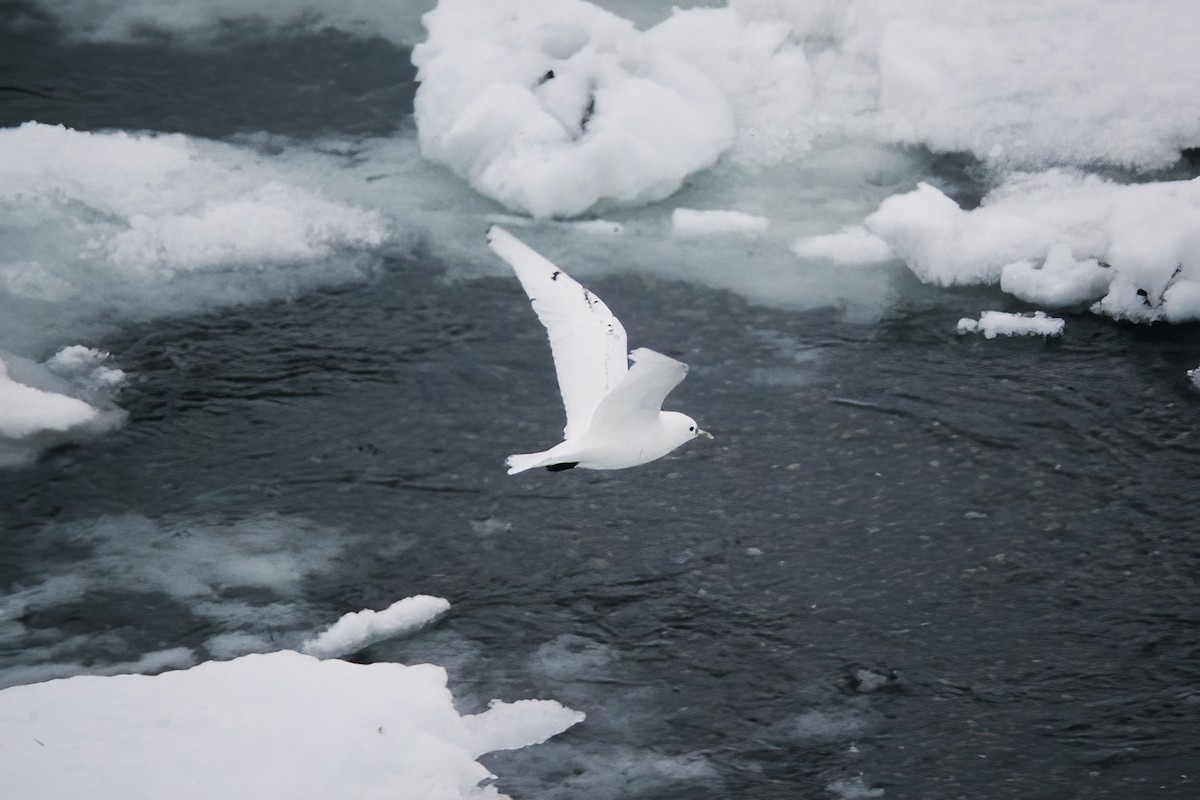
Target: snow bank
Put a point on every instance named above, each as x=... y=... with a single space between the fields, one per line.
x=1001 y=323
x=694 y=222
x=358 y=629
x=282 y=725
x=554 y=107
x=1059 y=238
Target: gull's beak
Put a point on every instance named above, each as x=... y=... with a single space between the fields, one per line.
x=705 y=434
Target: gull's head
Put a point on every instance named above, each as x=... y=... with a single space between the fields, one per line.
x=684 y=427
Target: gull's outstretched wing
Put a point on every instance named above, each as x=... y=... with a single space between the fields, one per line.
x=588 y=342
x=640 y=396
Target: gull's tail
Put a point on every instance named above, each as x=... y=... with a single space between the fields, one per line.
x=564 y=455
x=524 y=461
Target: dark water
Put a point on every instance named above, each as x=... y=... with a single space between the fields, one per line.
x=959 y=568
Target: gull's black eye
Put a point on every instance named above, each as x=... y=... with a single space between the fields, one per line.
x=692 y=428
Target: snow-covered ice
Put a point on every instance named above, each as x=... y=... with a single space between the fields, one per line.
x=278 y=725
x=1002 y=323
x=1059 y=238
x=555 y=107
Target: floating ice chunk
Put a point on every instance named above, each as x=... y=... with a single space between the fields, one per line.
x=69 y=396
x=1001 y=323
x=1058 y=281
x=853 y=244
x=358 y=629
x=286 y=724
x=694 y=222
x=25 y=410
x=1148 y=234
x=553 y=107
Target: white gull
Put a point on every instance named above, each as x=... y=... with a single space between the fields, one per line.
x=614 y=413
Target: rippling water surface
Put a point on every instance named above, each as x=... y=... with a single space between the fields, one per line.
x=934 y=566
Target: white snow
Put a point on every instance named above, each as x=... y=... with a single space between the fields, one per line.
x=555 y=107
x=1001 y=323
x=716 y=222
x=281 y=725
x=358 y=629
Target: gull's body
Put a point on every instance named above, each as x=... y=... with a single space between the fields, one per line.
x=614 y=413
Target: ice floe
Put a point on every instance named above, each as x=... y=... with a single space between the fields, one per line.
x=278 y=725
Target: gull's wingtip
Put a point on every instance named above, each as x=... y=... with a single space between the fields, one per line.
x=646 y=354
